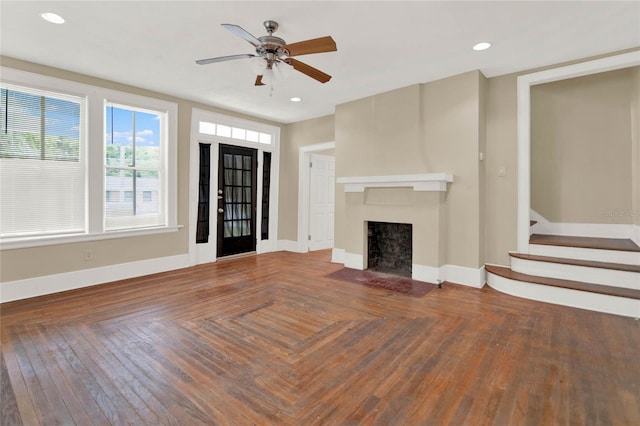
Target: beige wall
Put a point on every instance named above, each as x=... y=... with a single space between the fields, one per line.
x=292 y=138
x=452 y=111
x=635 y=140
x=433 y=127
x=502 y=152
x=47 y=260
x=581 y=148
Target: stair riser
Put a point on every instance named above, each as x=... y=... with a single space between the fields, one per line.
x=577 y=273
x=566 y=297
x=613 y=256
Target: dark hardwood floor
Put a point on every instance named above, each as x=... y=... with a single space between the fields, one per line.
x=270 y=340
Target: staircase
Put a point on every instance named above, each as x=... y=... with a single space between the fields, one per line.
x=599 y=274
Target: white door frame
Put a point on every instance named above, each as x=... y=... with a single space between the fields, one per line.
x=197 y=115
x=304 y=159
x=524 y=124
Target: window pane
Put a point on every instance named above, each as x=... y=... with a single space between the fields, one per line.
x=252 y=136
x=147 y=140
x=207 y=128
x=62 y=129
x=27 y=117
x=237 y=133
x=133 y=155
x=224 y=131
x=228 y=229
x=228 y=161
x=40 y=197
x=265 y=138
x=119 y=137
x=147 y=182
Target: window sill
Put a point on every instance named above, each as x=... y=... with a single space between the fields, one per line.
x=28 y=242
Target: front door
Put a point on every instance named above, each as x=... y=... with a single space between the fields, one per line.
x=237 y=181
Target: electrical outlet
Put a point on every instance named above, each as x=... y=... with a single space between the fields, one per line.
x=88 y=255
x=502 y=171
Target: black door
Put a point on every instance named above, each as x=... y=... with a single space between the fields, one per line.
x=237 y=180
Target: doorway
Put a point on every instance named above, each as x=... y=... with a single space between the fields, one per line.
x=236 y=195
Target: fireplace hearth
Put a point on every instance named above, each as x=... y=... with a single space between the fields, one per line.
x=389 y=248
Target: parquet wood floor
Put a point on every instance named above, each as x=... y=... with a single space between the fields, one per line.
x=269 y=340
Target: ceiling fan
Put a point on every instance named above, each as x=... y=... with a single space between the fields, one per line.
x=275 y=55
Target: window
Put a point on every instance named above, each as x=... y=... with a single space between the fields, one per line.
x=239 y=133
x=65 y=178
x=133 y=164
x=42 y=166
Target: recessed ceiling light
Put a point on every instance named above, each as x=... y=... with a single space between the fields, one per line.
x=482 y=46
x=52 y=17
x=295 y=99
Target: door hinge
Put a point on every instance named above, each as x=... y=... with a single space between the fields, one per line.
x=309 y=237
x=310 y=164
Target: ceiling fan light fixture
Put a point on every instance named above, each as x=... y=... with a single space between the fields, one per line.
x=268 y=76
x=54 y=18
x=282 y=69
x=258 y=65
x=482 y=46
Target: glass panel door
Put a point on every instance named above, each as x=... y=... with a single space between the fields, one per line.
x=237 y=181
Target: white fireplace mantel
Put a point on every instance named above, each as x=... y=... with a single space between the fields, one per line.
x=419 y=182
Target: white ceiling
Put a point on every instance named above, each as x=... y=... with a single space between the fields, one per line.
x=381 y=45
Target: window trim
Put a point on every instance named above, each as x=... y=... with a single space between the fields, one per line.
x=93 y=127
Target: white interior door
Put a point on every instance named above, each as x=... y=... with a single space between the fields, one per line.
x=321 y=202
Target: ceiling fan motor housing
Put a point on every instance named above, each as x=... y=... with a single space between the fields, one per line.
x=271 y=45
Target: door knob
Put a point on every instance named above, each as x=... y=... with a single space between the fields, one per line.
x=220 y=210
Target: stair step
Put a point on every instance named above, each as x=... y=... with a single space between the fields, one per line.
x=572 y=285
x=578 y=262
x=616 y=244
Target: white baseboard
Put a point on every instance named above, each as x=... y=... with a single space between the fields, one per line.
x=473 y=277
x=337 y=255
x=566 y=297
x=534 y=215
x=292 y=246
x=353 y=261
x=39 y=286
x=636 y=234
x=266 y=246
x=428 y=274
x=456 y=274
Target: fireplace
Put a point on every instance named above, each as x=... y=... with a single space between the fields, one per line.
x=389 y=248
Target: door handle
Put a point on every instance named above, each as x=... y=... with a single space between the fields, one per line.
x=220 y=210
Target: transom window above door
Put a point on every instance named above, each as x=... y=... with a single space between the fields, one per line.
x=233 y=132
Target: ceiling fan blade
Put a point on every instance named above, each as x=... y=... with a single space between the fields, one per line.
x=308 y=70
x=316 y=45
x=241 y=32
x=223 y=58
x=259 y=81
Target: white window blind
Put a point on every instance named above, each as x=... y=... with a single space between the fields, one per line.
x=42 y=166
